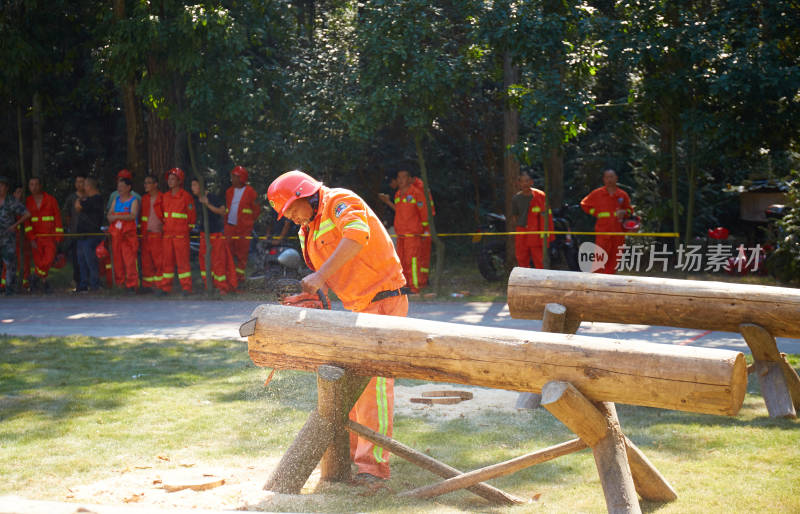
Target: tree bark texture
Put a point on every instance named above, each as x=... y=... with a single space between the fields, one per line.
x=655 y=375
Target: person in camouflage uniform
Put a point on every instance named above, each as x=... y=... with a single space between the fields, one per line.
x=12 y=214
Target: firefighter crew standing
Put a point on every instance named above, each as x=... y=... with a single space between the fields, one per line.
x=527 y=214
x=350 y=252
x=179 y=217
x=410 y=223
x=242 y=209
x=122 y=218
x=43 y=230
x=609 y=204
x=12 y=214
x=152 y=243
x=222 y=268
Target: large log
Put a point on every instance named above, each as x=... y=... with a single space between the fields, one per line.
x=655 y=301
x=671 y=377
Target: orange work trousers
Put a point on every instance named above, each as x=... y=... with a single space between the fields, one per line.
x=527 y=248
x=223 y=270
x=375 y=407
x=152 y=262
x=124 y=247
x=425 y=261
x=611 y=245
x=239 y=243
x=176 y=255
x=409 y=249
x=43 y=255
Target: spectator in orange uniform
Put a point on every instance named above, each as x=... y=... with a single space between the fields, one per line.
x=122 y=218
x=609 y=204
x=350 y=252
x=410 y=224
x=425 y=258
x=222 y=268
x=179 y=217
x=44 y=231
x=527 y=214
x=152 y=243
x=242 y=209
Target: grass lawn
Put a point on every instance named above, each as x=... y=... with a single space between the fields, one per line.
x=78 y=410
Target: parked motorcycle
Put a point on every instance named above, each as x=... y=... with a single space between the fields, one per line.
x=563 y=250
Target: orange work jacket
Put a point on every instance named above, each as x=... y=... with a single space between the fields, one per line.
x=249 y=208
x=410 y=214
x=602 y=205
x=45 y=219
x=535 y=219
x=178 y=213
x=375 y=268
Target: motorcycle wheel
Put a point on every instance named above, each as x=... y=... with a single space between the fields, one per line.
x=492 y=261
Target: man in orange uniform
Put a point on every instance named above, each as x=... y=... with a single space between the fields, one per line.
x=152 y=244
x=179 y=216
x=222 y=268
x=242 y=209
x=44 y=231
x=527 y=214
x=609 y=204
x=410 y=223
x=350 y=252
x=425 y=258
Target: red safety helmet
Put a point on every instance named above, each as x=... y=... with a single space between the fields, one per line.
x=632 y=224
x=290 y=186
x=240 y=172
x=177 y=172
x=123 y=173
x=101 y=251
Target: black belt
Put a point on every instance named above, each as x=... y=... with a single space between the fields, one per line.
x=388 y=294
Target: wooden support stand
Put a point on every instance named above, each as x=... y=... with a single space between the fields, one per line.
x=339 y=391
x=780 y=385
x=555 y=320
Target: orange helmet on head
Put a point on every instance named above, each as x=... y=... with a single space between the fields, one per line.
x=177 y=172
x=240 y=172
x=123 y=173
x=290 y=186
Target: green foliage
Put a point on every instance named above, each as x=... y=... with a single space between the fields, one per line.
x=784 y=263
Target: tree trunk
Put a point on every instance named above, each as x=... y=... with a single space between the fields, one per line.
x=687 y=238
x=21 y=143
x=438 y=243
x=134 y=119
x=673 y=149
x=37 y=151
x=510 y=138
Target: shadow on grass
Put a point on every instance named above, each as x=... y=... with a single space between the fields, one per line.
x=68 y=376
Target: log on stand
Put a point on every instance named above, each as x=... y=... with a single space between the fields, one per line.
x=703 y=380
x=697 y=304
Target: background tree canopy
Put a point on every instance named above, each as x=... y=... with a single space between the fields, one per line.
x=681 y=98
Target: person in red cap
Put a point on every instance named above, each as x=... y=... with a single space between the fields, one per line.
x=242 y=209
x=609 y=204
x=349 y=251
x=44 y=231
x=123 y=173
x=178 y=218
